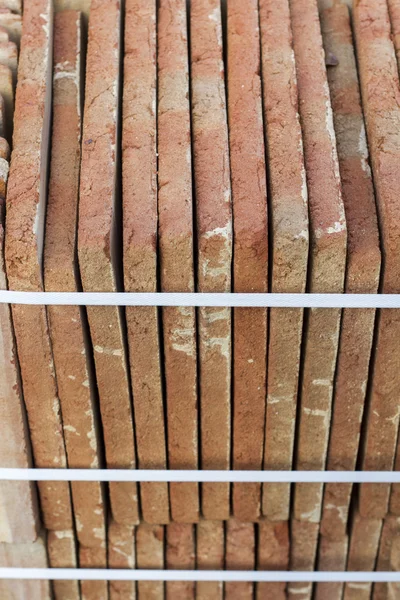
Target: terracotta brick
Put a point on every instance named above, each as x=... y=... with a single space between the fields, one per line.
x=19 y=518
x=239 y=555
x=273 y=554
x=328 y=253
x=394 y=14
x=250 y=268
x=210 y=549
x=13 y=24
x=62 y=554
x=289 y=212
x=121 y=555
x=180 y=554
x=98 y=247
x=150 y=555
x=381 y=97
x=332 y=556
x=93 y=558
x=7 y=93
x=25 y=555
x=26 y=199
x=176 y=252
x=303 y=550
x=390 y=532
x=139 y=170
x=214 y=244
x=363 y=264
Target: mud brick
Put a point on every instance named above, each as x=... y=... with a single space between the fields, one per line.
x=210 y=547
x=98 y=247
x=180 y=554
x=139 y=171
x=332 y=556
x=121 y=555
x=176 y=252
x=363 y=264
x=273 y=554
x=239 y=555
x=150 y=555
x=289 y=212
x=62 y=554
x=328 y=252
x=250 y=268
x=214 y=239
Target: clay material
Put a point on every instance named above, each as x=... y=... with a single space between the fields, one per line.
x=12 y=23
x=273 y=555
x=62 y=554
x=210 y=547
x=121 y=555
x=150 y=555
x=332 y=556
x=239 y=555
x=180 y=554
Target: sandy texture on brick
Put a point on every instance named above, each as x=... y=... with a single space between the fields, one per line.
x=381 y=100
x=214 y=244
x=390 y=532
x=26 y=199
x=303 y=549
x=289 y=212
x=332 y=556
x=12 y=23
x=62 y=554
x=98 y=246
x=121 y=555
x=180 y=554
x=250 y=233
x=150 y=555
x=239 y=555
x=273 y=555
x=210 y=549
x=327 y=254
x=363 y=264
x=139 y=171
x=176 y=251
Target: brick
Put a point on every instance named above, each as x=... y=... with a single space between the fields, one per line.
x=13 y=5
x=180 y=554
x=250 y=267
x=303 y=550
x=363 y=264
x=289 y=212
x=214 y=245
x=12 y=23
x=62 y=554
x=7 y=93
x=93 y=558
x=390 y=532
x=9 y=57
x=150 y=555
x=139 y=172
x=239 y=555
x=83 y=5
x=210 y=549
x=26 y=199
x=98 y=247
x=381 y=96
x=328 y=253
x=31 y=555
x=121 y=555
x=394 y=14
x=19 y=518
x=273 y=554
x=176 y=252
x=332 y=556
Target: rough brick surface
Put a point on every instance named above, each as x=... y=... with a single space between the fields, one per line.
x=210 y=548
x=26 y=199
x=332 y=556
x=250 y=234
x=328 y=252
x=62 y=554
x=14 y=5
x=180 y=554
x=121 y=555
x=176 y=251
x=12 y=23
x=363 y=264
x=150 y=555
x=273 y=554
x=289 y=213
x=139 y=184
x=239 y=555
x=98 y=246
x=214 y=239
x=303 y=549
x=381 y=101
x=9 y=57
x=7 y=93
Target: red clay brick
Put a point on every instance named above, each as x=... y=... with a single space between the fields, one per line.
x=150 y=555
x=303 y=549
x=381 y=99
x=121 y=555
x=62 y=554
x=273 y=555
x=93 y=558
x=390 y=532
x=214 y=239
x=26 y=199
x=332 y=556
x=139 y=172
x=328 y=253
x=98 y=247
x=239 y=555
x=176 y=252
x=180 y=554
x=210 y=547
x=289 y=212
x=250 y=269
x=363 y=265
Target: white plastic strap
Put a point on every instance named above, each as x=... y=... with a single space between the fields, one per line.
x=199 y=476
x=197 y=299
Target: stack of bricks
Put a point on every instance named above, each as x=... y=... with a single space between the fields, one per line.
x=210 y=146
